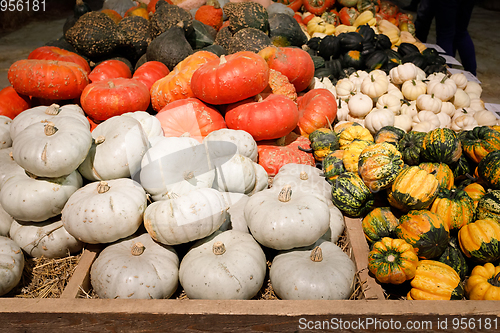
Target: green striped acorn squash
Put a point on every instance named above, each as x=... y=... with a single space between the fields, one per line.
x=425 y=231
x=352 y=58
x=284 y=30
x=455 y=258
x=333 y=165
x=489 y=206
x=479 y=141
x=441 y=145
x=442 y=172
x=489 y=169
x=455 y=208
x=480 y=240
x=379 y=223
x=413 y=188
x=461 y=168
x=475 y=191
x=389 y=134
x=351 y=195
x=410 y=147
x=323 y=142
x=378 y=165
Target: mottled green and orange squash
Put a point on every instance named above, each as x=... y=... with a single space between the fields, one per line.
x=379 y=223
x=480 y=240
x=339 y=127
x=392 y=261
x=389 y=134
x=442 y=172
x=479 y=141
x=410 y=146
x=484 y=283
x=489 y=169
x=323 y=142
x=352 y=133
x=461 y=168
x=425 y=231
x=333 y=165
x=378 y=165
x=413 y=188
x=351 y=195
x=489 y=206
x=454 y=207
x=352 y=152
x=435 y=280
x=475 y=191
x=441 y=145
x=454 y=257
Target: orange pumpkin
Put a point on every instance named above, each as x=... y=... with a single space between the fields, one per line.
x=317 y=109
x=56 y=53
x=11 y=103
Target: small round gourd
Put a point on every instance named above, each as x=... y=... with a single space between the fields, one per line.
x=379 y=164
x=429 y=103
x=325 y=273
x=244 y=142
x=435 y=280
x=48 y=239
x=5 y=139
x=135 y=268
x=444 y=88
x=360 y=105
x=186 y=218
x=236 y=174
x=11 y=264
x=103 y=212
x=484 y=283
x=227 y=265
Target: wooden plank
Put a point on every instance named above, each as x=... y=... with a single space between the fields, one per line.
x=371 y=289
x=80 y=280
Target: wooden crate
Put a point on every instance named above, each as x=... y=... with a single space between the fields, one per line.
x=79 y=314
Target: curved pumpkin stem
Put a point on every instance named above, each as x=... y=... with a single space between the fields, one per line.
x=495 y=280
x=316 y=254
x=219 y=248
x=137 y=249
x=310 y=150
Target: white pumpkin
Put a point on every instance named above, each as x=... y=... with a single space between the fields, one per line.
x=374 y=85
x=429 y=103
x=5 y=139
x=390 y=102
x=235 y=219
x=5 y=222
x=337 y=224
x=423 y=126
x=473 y=88
x=48 y=239
x=304 y=178
x=359 y=121
x=186 y=218
x=448 y=108
x=245 y=143
x=485 y=118
x=342 y=110
x=177 y=165
x=261 y=179
x=409 y=108
x=460 y=79
x=8 y=167
x=33 y=199
x=46 y=113
x=105 y=211
x=345 y=88
x=234 y=175
x=421 y=75
x=444 y=119
x=430 y=119
x=403 y=122
x=135 y=268
x=394 y=90
x=357 y=78
x=324 y=83
x=403 y=72
x=360 y=105
x=463 y=123
x=150 y=124
x=379 y=118
x=477 y=104
x=412 y=89
x=461 y=99
x=11 y=264
x=443 y=89
x=436 y=76
x=52 y=149
x=228 y=265
x=324 y=273
x=462 y=112
x=282 y=219
x=119 y=145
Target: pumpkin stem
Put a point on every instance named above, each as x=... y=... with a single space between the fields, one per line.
x=53 y=110
x=285 y=194
x=222 y=60
x=310 y=150
x=32 y=176
x=258 y=98
x=316 y=254
x=373 y=79
x=137 y=249
x=188 y=175
x=100 y=139
x=303 y=175
x=49 y=129
x=414 y=83
x=444 y=79
x=111 y=85
x=495 y=280
x=185 y=135
x=102 y=187
x=219 y=248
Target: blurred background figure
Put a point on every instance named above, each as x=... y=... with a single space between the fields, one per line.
x=425 y=14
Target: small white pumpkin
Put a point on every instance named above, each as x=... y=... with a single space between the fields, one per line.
x=324 y=273
x=52 y=149
x=379 y=118
x=485 y=118
x=8 y=167
x=360 y=105
x=461 y=99
x=360 y=121
x=11 y=264
x=135 y=268
x=324 y=83
x=342 y=110
x=228 y=265
x=462 y=112
x=234 y=175
x=390 y=102
x=119 y=145
x=5 y=222
x=403 y=72
x=105 y=211
x=186 y=218
x=280 y=219
x=463 y=123
x=430 y=118
x=48 y=239
x=477 y=104
x=245 y=143
x=5 y=139
x=448 y=108
x=304 y=178
x=421 y=75
x=412 y=89
x=34 y=199
x=394 y=90
x=357 y=78
x=460 y=79
x=429 y=103
x=444 y=119
x=235 y=219
x=403 y=122
x=345 y=88
x=150 y=124
x=409 y=108
x=473 y=88
x=443 y=89
x=436 y=76
x=374 y=85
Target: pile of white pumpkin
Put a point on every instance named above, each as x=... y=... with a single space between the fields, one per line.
x=63 y=186
x=410 y=100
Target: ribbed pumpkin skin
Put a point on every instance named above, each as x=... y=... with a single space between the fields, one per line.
x=483 y=283
x=378 y=165
x=475 y=192
x=435 y=281
x=333 y=165
x=389 y=134
x=441 y=145
x=480 y=240
x=351 y=195
x=455 y=208
x=461 y=168
x=352 y=133
x=352 y=152
x=480 y=141
x=379 y=223
x=323 y=142
x=425 y=231
x=413 y=188
x=442 y=172
x=392 y=261
x=454 y=257
x=410 y=146
x=489 y=206
x=489 y=169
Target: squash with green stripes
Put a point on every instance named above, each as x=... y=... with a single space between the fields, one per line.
x=442 y=172
x=333 y=165
x=489 y=206
x=441 y=145
x=480 y=141
x=389 y=134
x=410 y=147
x=455 y=208
x=480 y=240
x=323 y=142
x=454 y=257
x=351 y=195
x=379 y=223
x=489 y=169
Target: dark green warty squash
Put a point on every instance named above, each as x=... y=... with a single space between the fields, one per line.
x=441 y=145
x=379 y=223
x=351 y=195
x=489 y=169
x=410 y=147
x=489 y=206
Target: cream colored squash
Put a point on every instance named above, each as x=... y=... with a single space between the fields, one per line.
x=444 y=119
x=324 y=83
x=33 y=199
x=235 y=219
x=324 y=273
x=461 y=99
x=403 y=122
x=436 y=76
x=374 y=85
x=236 y=174
x=485 y=118
x=345 y=88
x=429 y=103
x=5 y=139
x=245 y=143
x=379 y=118
x=402 y=73
x=360 y=105
x=282 y=219
x=135 y=268
x=105 y=211
x=460 y=79
x=119 y=145
x=421 y=75
x=357 y=78
x=360 y=121
x=394 y=90
x=11 y=264
x=150 y=124
x=448 y=108
x=463 y=123
x=423 y=126
x=342 y=110
x=227 y=265
x=8 y=167
x=5 y=222
x=412 y=89
x=473 y=88
x=409 y=108
x=186 y=218
x=462 y=112
x=52 y=149
x=426 y=116
x=477 y=104
x=48 y=238
x=303 y=178
x=390 y=102
x=443 y=89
